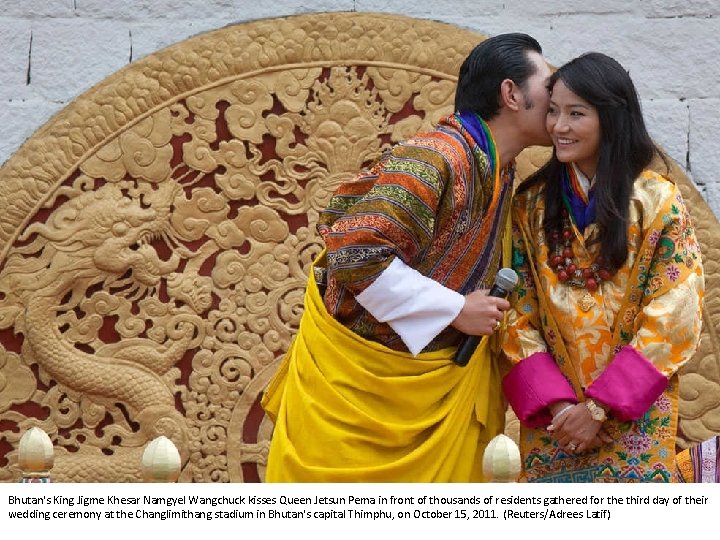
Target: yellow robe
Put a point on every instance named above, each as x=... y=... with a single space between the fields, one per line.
x=351 y=410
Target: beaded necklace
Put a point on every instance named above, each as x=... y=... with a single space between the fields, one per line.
x=562 y=260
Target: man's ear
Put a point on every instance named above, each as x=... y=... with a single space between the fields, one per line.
x=510 y=95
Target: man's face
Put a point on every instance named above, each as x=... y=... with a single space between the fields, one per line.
x=536 y=99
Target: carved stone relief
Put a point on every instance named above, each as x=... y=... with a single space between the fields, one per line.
x=155 y=237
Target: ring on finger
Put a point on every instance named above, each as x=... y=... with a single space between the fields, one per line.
x=572 y=446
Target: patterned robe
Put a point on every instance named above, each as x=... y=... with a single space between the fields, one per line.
x=348 y=383
x=652 y=304
x=701 y=463
x=433 y=201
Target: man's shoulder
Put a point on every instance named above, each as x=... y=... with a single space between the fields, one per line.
x=442 y=134
x=445 y=143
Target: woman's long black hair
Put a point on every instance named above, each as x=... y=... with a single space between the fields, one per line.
x=625 y=150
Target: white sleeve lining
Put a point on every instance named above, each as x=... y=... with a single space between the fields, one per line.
x=418 y=308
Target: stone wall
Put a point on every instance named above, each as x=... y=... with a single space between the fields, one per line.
x=53 y=50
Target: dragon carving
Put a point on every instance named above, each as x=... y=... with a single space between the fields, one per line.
x=101 y=240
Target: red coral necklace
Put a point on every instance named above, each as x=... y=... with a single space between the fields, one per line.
x=566 y=267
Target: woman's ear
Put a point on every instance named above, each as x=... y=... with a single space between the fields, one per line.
x=510 y=95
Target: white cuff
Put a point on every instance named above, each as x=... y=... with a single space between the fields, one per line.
x=416 y=307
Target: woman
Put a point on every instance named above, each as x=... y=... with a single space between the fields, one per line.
x=611 y=284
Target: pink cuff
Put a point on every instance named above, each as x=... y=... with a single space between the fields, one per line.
x=533 y=384
x=629 y=385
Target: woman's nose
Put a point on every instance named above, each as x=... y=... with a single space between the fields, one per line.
x=560 y=125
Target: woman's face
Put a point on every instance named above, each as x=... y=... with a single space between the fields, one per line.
x=574 y=126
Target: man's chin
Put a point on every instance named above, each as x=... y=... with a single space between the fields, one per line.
x=543 y=140
x=543 y=144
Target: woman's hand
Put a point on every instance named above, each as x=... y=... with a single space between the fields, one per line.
x=576 y=431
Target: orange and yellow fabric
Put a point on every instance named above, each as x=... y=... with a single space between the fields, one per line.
x=621 y=343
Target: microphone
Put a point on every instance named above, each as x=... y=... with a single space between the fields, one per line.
x=505 y=281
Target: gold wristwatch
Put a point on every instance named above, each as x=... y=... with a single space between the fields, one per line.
x=596 y=411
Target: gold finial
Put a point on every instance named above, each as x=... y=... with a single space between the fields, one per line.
x=161 y=461
x=35 y=455
x=501 y=460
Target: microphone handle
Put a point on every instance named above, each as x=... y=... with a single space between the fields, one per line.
x=466 y=350
x=498 y=292
x=470 y=343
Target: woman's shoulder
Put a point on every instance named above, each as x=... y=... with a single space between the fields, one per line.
x=658 y=197
x=658 y=180
x=655 y=185
x=529 y=204
x=528 y=192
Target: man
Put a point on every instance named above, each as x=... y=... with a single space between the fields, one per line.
x=369 y=390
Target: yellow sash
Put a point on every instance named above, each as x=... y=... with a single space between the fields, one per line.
x=351 y=410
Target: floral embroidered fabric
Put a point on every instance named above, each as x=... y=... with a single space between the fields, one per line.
x=652 y=303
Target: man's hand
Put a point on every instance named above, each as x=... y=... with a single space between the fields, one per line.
x=481 y=314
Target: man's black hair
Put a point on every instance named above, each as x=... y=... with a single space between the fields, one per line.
x=491 y=62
